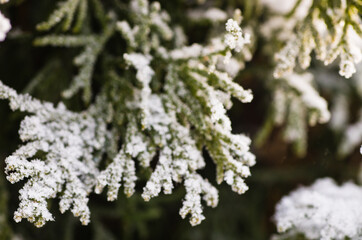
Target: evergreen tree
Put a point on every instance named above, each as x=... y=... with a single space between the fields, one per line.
x=172 y=101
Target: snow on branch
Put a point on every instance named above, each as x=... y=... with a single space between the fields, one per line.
x=296 y=104
x=322 y=211
x=139 y=116
x=57 y=159
x=330 y=30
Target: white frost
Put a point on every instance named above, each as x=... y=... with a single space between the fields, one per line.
x=322 y=211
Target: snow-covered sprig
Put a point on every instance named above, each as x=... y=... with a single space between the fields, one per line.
x=331 y=30
x=179 y=158
x=174 y=124
x=92 y=47
x=144 y=76
x=151 y=27
x=297 y=104
x=230 y=152
x=220 y=47
x=195 y=186
x=58 y=159
x=234 y=37
x=322 y=211
x=71 y=15
x=65 y=13
x=163 y=103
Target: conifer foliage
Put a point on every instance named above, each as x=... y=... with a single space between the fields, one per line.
x=170 y=124
x=146 y=109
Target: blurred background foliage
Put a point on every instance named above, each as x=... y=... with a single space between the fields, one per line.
x=44 y=72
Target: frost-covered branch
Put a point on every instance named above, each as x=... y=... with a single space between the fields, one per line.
x=92 y=47
x=66 y=12
x=297 y=104
x=162 y=102
x=57 y=159
x=196 y=97
x=331 y=30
